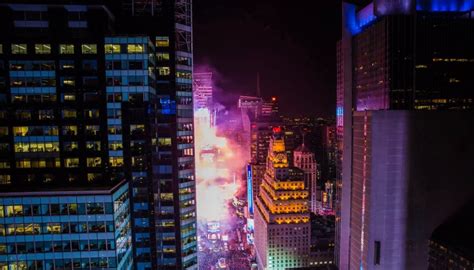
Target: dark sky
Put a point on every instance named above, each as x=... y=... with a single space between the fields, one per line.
x=291 y=43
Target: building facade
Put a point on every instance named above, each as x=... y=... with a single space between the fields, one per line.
x=282 y=221
x=393 y=55
x=97 y=95
x=304 y=159
x=202 y=90
x=66 y=229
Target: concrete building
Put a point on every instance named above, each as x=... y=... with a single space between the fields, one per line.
x=282 y=221
x=397 y=59
x=304 y=159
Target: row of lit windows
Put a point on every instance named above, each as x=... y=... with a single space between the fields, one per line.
x=53 y=130
x=32 y=82
x=57 y=246
x=43 y=98
x=21 y=210
x=55 y=228
x=77 y=263
x=46 y=48
x=122 y=48
x=32 y=65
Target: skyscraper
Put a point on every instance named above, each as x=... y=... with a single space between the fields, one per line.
x=101 y=95
x=398 y=61
x=304 y=159
x=282 y=221
x=202 y=90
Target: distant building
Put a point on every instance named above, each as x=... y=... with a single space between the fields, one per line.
x=304 y=159
x=282 y=221
x=202 y=90
x=250 y=105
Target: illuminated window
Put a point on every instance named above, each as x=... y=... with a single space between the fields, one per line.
x=94 y=162
x=162 y=42
x=71 y=162
x=69 y=113
x=14 y=210
x=92 y=130
x=19 y=49
x=137 y=129
x=68 y=81
x=70 y=146
x=164 y=141
x=163 y=56
x=20 y=131
x=5 y=179
x=166 y=196
x=53 y=228
x=135 y=48
x=112 y=48
x=42 y=48
x=116 y=161
x=164 y=71
x=184 y=75
x=91 y=177
x=115 y=145
x=66 y=49
x=1 y=48
x=69 y=97
x=89 y=48
x=114 y=130
x=66 y=64
x=93 y=145
x=70 y=130
x=91 y=114
x=4 y=164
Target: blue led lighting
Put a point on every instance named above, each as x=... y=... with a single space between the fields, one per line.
x=355 y=21
x=249 y=189
x=445 y=5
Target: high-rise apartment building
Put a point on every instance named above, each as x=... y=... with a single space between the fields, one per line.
x=282 y=216
x=398 y=62
x=304 y=159
x=98 y=93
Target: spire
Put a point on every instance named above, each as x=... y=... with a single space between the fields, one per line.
x=258 y=84
x=302 y=147
x=303 y=139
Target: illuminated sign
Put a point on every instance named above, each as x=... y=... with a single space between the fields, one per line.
x=249 y=189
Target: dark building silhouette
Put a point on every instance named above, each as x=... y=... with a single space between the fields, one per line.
x=451 y=243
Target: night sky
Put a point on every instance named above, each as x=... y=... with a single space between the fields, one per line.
x=293 y=46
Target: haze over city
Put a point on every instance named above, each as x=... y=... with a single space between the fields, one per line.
x=235 y=135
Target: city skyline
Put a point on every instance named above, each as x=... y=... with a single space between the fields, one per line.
x=248 y=135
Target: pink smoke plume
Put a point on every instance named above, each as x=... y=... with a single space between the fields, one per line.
x=219 y=163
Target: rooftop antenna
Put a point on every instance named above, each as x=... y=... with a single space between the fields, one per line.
x=258 y=84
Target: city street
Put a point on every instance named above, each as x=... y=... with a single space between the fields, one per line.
x=222 y=245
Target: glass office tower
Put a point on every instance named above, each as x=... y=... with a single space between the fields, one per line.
x=94 y=93
x=66 y=229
